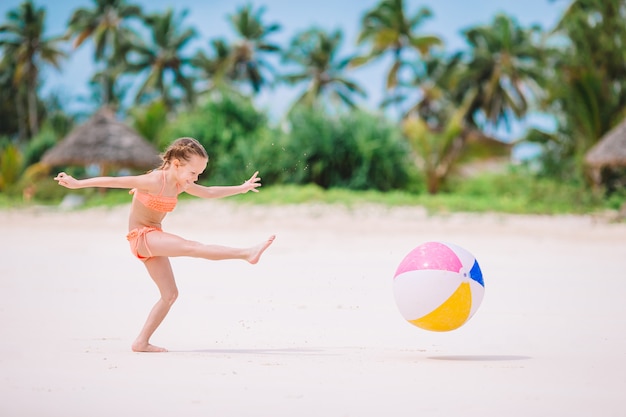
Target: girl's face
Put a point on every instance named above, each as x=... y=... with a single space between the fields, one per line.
x=188 y=172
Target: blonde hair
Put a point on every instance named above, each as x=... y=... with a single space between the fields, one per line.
x=182 y=149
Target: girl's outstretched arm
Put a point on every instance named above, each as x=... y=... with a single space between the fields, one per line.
x=225 y=191
x=135 y=181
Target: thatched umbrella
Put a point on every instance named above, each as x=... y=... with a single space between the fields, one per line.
x=609 y=152
x=106 y=142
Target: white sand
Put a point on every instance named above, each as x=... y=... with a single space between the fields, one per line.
x=312 y=330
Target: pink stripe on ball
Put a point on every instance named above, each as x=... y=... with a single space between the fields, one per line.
x=430 y=255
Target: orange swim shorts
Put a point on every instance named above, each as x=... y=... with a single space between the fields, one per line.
x=135 y=235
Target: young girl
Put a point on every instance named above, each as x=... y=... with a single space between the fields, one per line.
x=156 y=194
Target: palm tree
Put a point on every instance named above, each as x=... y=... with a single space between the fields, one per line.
x=163 y=60
x=106 y=86
x=435 y=125
x=437 y=148
x=388 y=30
x=247 y=55
x=22 y=41
x=216 y=68
x=596 y=33
x=505 y=65
x=12 y=109
x=315 y=52
x=107 y=25
x=435 y=78
x=587 y=94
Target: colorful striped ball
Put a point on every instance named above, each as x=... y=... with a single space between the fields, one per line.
x=438 y=286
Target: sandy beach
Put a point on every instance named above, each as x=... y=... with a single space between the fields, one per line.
x=313 y=329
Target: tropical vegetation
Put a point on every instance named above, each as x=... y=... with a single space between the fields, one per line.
x=439 y=113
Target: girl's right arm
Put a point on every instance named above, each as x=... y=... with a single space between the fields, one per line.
x=139 y=181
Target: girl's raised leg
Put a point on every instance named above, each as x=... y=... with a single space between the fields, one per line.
x=167 y=244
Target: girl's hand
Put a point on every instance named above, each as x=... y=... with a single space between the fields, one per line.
x=252 y=184
x=66 y=180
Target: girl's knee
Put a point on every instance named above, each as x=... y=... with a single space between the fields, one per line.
x=170 y=297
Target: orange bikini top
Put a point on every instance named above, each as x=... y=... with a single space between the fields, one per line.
x=158 y=202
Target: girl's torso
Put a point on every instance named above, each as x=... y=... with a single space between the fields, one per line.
x=149 y=209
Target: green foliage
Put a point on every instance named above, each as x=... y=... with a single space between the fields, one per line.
x=617 y=200
x=4 y=142
x=354 y=150
x=504 y=62
x=314 y=194
x=11 y=163
x=504 y=65
x=614 y=180
x=44 y=140
x=586 y=91
x=9 y=119
x=389 y=29
x=247 y=60
x=48 y=191
x=520 y=192
x=56 y=118
x=26 y=49
x=314 y=54
x=150 y=120
x=438 y=148
x=229 y=127
x=512 y=192
x=163 y=57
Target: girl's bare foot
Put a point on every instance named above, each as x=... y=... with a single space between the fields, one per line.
x=257 y=251
x=147 y=347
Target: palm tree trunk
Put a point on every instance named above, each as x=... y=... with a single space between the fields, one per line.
x=432 y=183
x=32 y=112
x=106 y=82
x=32 y=101
x=21 y=114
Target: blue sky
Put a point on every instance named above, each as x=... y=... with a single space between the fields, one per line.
x=209 y=17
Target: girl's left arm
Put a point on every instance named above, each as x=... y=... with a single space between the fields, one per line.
x=225 y=191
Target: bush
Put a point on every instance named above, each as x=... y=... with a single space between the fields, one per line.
x=229 y=127
x=11 y=163
x=522 y=192
x=149 y=120
x=356 y=150
x=45 y=139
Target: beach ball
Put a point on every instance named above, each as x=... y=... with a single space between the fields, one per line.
x=438 y=286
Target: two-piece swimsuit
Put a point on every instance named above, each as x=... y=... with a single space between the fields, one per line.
x=160 y=203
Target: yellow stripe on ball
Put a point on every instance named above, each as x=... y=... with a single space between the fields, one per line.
x=451 y=314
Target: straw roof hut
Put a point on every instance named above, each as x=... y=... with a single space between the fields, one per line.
x=609 y=152
x=106 y=142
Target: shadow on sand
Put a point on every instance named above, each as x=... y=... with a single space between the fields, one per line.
x=259 y=351
x=480 y=358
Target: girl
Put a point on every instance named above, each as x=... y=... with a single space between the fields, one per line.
x=156 y=194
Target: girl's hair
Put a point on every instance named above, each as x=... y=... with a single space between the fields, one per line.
x=182 y=149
